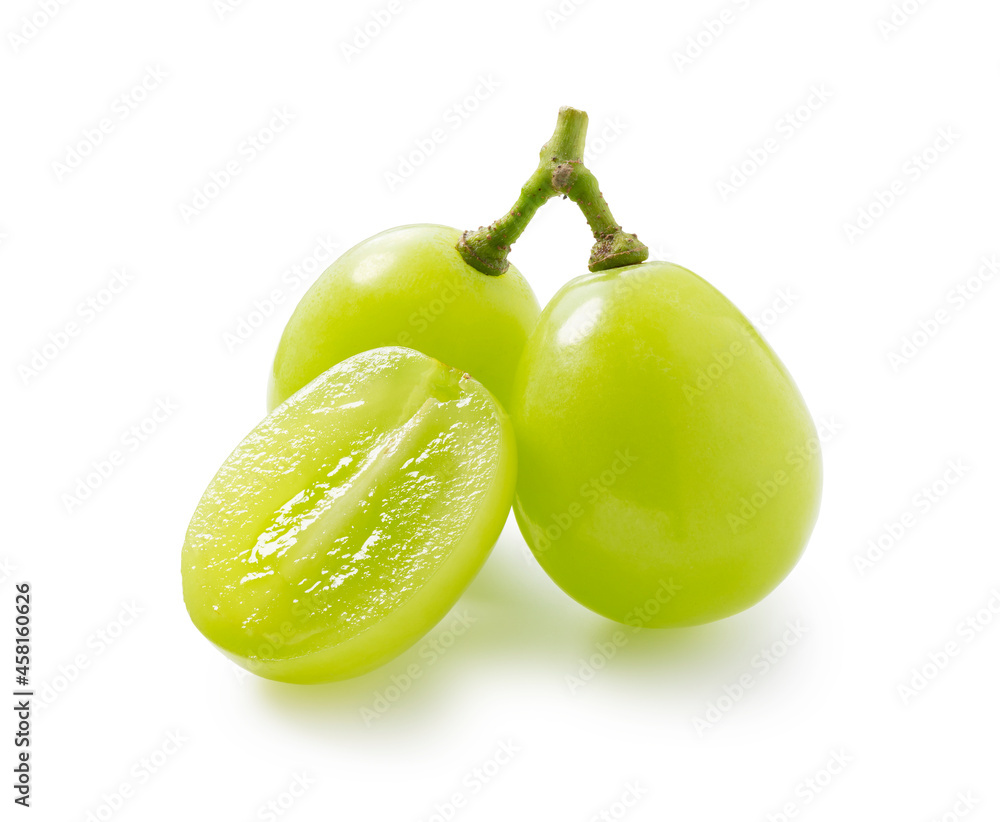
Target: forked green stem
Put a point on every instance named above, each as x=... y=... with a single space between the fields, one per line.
x=560 y=171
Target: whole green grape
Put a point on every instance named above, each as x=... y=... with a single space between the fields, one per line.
x=669 y=469
x=409 y=287
x=349 y=521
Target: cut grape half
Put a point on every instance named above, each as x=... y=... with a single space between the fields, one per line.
x=350 y=520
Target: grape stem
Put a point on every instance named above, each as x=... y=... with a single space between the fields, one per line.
x=560 y=172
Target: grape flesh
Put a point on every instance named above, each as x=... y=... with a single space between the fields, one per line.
x=350 y=520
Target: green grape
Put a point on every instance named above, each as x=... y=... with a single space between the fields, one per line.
x=669 y=469
x=349 y=521
x=408 y=286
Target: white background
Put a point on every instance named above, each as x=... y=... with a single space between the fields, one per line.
x=113 y=687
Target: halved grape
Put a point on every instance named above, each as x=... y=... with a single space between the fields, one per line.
x=351 y=519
